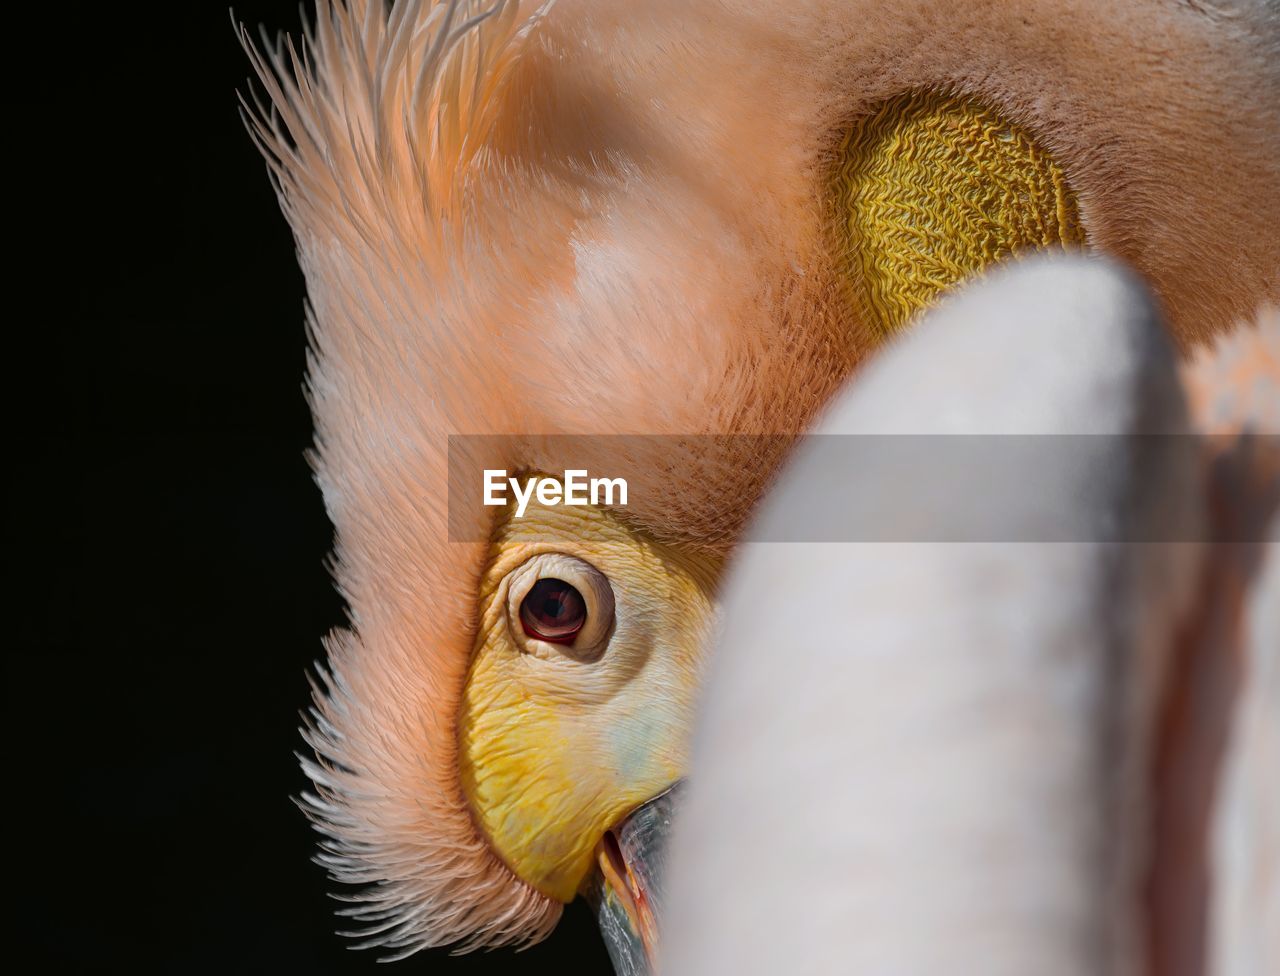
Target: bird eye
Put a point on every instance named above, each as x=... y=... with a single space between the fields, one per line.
x=561 y=600
x=553 y=611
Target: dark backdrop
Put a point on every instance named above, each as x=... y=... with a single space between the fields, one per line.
x=177 y=571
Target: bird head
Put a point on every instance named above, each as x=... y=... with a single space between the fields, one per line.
x=679 y=228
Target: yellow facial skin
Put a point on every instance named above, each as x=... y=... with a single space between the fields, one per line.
x=931 y=189
x=558 y=743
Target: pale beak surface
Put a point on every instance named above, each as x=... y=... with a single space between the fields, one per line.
x=964 y=771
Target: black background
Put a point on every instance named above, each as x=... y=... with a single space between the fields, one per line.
x=179 y=543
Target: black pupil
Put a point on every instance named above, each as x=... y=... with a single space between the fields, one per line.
x=553 y=610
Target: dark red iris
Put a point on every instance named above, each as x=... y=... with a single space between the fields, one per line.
x=553 y=611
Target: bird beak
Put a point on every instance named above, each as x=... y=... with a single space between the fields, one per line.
x=626 y=888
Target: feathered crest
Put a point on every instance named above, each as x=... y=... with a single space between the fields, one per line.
x=377 y=115
x=372 y=126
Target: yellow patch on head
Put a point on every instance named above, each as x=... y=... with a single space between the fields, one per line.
x=559 y=741
x=932 y=188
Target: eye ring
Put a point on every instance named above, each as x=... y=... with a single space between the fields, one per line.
x=560 y=606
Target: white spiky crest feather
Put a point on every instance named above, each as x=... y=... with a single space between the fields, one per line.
x=372 y=126
x=381 y=110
